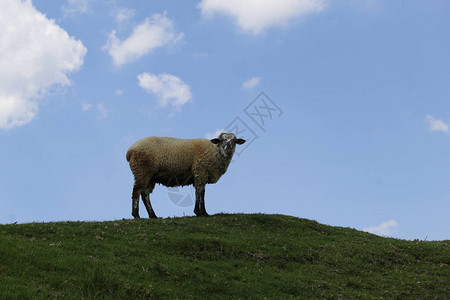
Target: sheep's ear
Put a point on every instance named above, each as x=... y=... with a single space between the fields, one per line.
x=240 y=141
x=215 y=141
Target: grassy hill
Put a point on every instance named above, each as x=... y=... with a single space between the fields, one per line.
x=221 y=256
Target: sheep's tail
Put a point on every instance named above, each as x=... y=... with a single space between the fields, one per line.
x=129 y=153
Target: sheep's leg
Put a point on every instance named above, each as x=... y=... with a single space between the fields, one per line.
x=200 y=209
x=197 y=204
x=146 y=199
x=135 y=198
x=148 y=206
x=204 y=213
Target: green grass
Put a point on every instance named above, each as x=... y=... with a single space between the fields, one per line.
x=223 y=256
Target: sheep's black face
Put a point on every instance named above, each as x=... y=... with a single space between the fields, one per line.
x=227 y=144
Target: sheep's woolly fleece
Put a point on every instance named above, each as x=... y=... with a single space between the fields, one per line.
x=172 y=162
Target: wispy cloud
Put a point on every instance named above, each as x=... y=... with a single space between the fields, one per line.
x=100 y=109
x=436 y=124
x=384 y=229
x=123 y=14
x=200 y=55
x=73 y=7
x=156 y=31
x=251 y=83
x=367 y=5
x=210 y=136
x=255 y=16
x=85 y=106
x=169 y=89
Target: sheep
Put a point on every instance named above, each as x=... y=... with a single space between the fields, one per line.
x=178 y=162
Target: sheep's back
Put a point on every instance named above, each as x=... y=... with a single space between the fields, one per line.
x=172 y=155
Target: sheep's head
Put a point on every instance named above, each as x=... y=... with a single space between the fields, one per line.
x=227 y=143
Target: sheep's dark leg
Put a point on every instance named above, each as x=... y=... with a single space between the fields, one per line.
x=197 y=204
x=135 y=197
x=204 y=213
x=200 y=209
x=146 y=199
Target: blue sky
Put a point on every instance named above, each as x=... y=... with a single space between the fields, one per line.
x=360 y=140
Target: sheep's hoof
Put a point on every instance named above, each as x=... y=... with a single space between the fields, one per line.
x=200 y=213
x=136 y=216
x=153 y=216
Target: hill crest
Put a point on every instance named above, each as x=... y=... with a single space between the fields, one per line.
x=225 y=255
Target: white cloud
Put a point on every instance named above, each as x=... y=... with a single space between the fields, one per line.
x=118 y=92
x=36 y=55
x=255 y=15
x=169 y=89
x=384 y=229
x=103 y=112
x=123 y=14
x=367 y=5
x=200 y=55
x=210 y=136
x=16 y=111
x=435 y=124
x=156 y=31
x=76 y=7
x=100 y=109
x=251 y=83
x=85 y=106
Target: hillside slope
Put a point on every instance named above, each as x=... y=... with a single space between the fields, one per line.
x=220 y=256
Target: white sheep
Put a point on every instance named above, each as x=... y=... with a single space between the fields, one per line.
x=178 y=162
